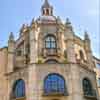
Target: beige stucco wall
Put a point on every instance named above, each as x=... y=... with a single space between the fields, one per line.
x=34 y=74
x=97 y=70
x=77 y=49
x=3 y=80
x=73 y=75
x=98 y=76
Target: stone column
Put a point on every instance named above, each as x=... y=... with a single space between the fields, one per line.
x=70 y=51
x=11 y=51
x=87 y=46
x=32 y=83
x=76 y=85
x=33 y=46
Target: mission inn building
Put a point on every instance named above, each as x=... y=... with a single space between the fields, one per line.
x=47 y=62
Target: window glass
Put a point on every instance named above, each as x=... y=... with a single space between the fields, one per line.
x=50 y=42
x=19 y=89
x=99 y=82
x=47 y=11
x=54 y=83
x=87 y=87
x=98 y=65
x=81 y=54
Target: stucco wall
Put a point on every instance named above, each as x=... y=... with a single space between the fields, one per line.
x=3 y=80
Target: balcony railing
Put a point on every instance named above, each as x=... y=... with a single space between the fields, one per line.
x=53 y=92
x=90 y=94
x=50 y=52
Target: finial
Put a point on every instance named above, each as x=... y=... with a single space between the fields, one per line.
x=46 y=4
x=86 y=36
x=47 y=9
x=32 y=21
x=46 y=1
x=68 y=22
x=11 y=36
x=58 y=19
x=24 y=27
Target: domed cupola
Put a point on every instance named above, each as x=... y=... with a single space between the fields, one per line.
x=47 y=9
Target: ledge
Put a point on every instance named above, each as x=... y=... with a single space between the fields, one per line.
x=20 y=98
x=90 y=97
x=55 y=94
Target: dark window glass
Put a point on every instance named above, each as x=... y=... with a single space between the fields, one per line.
x=19 y=89
x=99 y=82
x=81 y=54
x=98 y=65
x=54 y=83
x=50 y=42
x=87 y=87
x=47 y=11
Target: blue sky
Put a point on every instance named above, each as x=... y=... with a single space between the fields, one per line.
x=84 y=15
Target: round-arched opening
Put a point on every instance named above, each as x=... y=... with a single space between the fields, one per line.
x=81 y=54
x=18 y=90
x=54 y=84
x=87 y=87
x=50 y=42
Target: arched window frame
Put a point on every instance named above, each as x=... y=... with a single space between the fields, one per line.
x=98 y=82
x=60 y=88
x=50 y=42
x=81 y=54
x=18 y=92
x=47 y=11
x=87 y=86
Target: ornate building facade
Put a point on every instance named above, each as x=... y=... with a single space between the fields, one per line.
x=97 y=70
x=47 y=62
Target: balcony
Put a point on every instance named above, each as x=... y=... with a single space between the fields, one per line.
x=53 y=92
x=90 y=94
x=50 y=52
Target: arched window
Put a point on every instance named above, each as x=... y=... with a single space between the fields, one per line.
x=53 y=84
x=87 y=87
x=98 y=82
x=50 y=42
x=47 y=11
x=19 y=89
x=81 y=54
